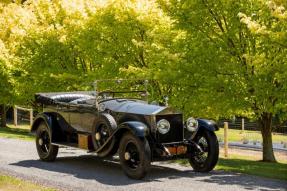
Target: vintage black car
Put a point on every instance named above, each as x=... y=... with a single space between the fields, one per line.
x=108 y=122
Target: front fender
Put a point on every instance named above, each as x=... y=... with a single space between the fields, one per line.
x=139 y=129
x=207 y=125
x=203 y=125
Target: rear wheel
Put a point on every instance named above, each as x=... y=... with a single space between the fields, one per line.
x=135 y=156
x=205 y=160
x=45 y=149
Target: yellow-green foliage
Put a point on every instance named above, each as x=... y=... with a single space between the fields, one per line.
x=219 y=57
x=62 y=45
x=235 y=56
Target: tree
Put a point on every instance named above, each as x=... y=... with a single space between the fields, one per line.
x=73 y=45
x=5 y=84
x=60 y=45
x=234 y=60
x=14 y=20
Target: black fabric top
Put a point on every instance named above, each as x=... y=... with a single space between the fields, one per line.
x=60 y=97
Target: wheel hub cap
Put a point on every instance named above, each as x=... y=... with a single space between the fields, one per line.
x=40 y=142
x=127 y=156
x=98 y=136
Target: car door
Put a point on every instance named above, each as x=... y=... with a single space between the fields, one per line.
x=75 y=116
x=82 y=117
x=63 y=118
x=88 y=116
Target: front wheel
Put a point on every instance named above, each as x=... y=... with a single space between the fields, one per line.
x=135 y=156
x=205 y=160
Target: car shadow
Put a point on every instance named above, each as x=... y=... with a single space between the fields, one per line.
x=109 y=172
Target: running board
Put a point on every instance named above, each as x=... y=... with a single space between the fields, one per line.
x=73 y=145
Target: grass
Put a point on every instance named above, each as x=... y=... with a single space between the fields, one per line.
x=248 y=165
x=9 y=183
x=240 y=164
x=21 y=126
x=235 y=135
x=19 y=132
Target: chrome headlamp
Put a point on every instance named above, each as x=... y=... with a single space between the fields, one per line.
x=191 y=124
x=163 y=126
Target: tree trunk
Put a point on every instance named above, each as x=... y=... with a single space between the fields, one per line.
x=3 y=116
x=265 y=123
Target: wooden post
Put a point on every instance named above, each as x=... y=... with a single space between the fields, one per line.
x=226 y=139
x=242 y=125
x=15 y=116
x=31 y=117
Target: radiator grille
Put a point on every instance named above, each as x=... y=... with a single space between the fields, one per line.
x=176 y=128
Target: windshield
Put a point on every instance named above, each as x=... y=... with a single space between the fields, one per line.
x=121 y=88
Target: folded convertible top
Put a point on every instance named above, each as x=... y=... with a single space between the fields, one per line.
x=60 y=97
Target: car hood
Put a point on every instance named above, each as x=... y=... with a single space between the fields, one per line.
x=135 y=106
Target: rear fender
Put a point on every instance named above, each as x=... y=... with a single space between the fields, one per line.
x=51 y=121
x=42 y=117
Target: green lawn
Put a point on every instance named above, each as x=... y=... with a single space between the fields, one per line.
x=236 y=135
x=9 y=183
x=19 y=132
x=20 y=126
x=243 y=164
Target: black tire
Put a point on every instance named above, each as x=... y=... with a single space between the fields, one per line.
x=138 y=164
x=105 y=125
x=45 y=149
x=206 y=161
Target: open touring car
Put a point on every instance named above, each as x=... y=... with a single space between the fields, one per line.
x=104 y=123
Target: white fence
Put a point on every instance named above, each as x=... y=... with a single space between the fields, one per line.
x=16 y=108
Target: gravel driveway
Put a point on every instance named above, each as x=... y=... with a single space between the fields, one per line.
x=75 y=170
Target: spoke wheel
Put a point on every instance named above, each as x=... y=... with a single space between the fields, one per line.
x=102 y=134
x=132 y=158
x=201 y=157
x=205 y=160
x=135 y=156
x=44 y=142
x=103 y=129
x=45 y=149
